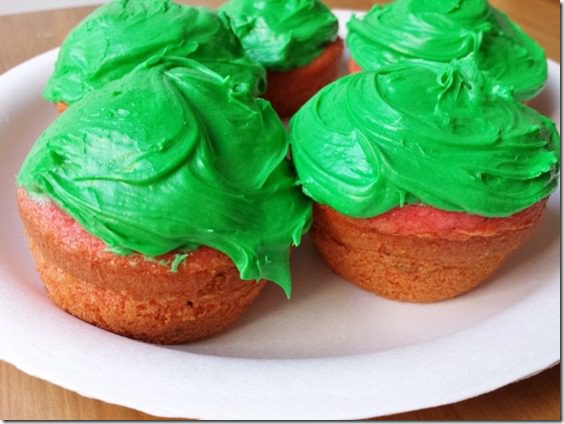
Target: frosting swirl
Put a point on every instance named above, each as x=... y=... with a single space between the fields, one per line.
x=442 y=30
x=439 y=134
x=173 y=156
x=120 y=35
x=282 y=34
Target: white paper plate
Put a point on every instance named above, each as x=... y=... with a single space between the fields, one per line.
x=333 y=351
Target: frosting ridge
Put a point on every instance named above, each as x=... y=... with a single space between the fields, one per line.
x=442 y=30
x=422 y=132
x=171 y=157
x=121 y=34
x=282 y=34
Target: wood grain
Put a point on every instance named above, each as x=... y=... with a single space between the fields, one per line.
x=31 y=33
x=23 y=397
x=26 y=398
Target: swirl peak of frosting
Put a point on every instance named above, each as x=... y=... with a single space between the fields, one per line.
x=174 y=156
x=121 y=34
x=442 y=30
x=420 y=132
x=282 y=34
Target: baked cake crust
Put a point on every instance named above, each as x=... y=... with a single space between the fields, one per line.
x=417 y=267
x=130 y=295
x=288 y=91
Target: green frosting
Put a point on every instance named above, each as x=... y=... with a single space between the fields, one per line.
x=282 y=34
x=124 y=33
x=171 y=157
x=442 y=30
x=420 y=132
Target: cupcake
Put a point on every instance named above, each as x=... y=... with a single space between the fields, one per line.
x=122 y=34
x=442 y=30
x=157 y=206
x=296 y=41
x=425 y=176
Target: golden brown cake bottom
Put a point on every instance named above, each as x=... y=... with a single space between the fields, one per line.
x=61 y=106
x=396 y=262
x=353 y=67
x=130 y=295
x=288 y=91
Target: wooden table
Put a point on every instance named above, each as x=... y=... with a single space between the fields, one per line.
x=24 y=397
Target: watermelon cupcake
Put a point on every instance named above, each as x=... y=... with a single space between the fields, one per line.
x=425 y=176
x=296 y=41
x=122 y=34
x=442 y=30
x=157 y=206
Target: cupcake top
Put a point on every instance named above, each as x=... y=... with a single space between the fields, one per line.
x=282 y=34
x=174 y=156
x=442 y=30
x=124 y=33
x=419 y=132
